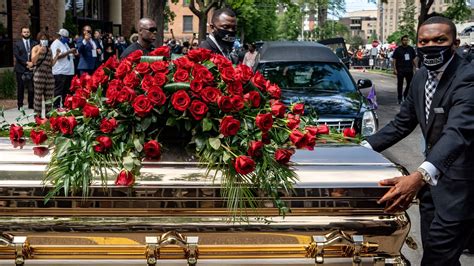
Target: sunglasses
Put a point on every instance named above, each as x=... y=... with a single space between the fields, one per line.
x=152 y=29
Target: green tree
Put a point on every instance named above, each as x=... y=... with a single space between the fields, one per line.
x=395 y=37
x=458 y=11
x=407 y=21
x=201 y=10
x=69 y=24
x=289 y=23
x=331 y=29
x=356 y=41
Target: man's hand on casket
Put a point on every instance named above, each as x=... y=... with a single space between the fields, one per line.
x=404 y=189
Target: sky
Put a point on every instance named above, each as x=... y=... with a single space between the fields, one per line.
x=353 y=5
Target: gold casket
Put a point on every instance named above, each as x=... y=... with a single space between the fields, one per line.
x=175 y=216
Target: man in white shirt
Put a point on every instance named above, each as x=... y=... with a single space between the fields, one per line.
x=63 y=65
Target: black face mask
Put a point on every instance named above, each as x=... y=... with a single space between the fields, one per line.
x=225 y=36
x=434 y=57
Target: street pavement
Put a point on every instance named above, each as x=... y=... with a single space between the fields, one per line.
x=406 y=153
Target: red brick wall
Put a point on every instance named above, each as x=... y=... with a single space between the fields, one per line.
x=20 y=17
x=130 y=15
x=49 y=16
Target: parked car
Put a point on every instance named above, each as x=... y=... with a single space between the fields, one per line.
x=174 y=215
x=311 y=72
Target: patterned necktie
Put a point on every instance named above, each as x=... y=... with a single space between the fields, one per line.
x=430 y=88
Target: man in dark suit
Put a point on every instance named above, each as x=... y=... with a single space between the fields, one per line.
x=22 y=53
x=441 y=101
x=88 y=51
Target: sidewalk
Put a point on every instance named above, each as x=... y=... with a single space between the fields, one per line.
x=12 y=114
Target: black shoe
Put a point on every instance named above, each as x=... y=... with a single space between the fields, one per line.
x=31 y=107
x=400 y=101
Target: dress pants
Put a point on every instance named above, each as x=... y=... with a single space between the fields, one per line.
x=401 y=75
x=20 y=91
x=443 y=240
x=62 y=83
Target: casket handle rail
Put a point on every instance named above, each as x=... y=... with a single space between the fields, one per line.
x=189 y=244
x=20 y=245
x=350 y=246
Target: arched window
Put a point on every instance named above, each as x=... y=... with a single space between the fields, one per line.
x=6 y=44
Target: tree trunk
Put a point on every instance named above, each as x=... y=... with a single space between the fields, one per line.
x=202 y=28
x=156 y=10
x=201 y=13
x=425 y=6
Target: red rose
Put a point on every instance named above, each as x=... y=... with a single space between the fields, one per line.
x=310 y=141
x=199 y=55
x=323 y=129
x=198 y=109
x=183 y=63
x=156 y=96
x=244 y=73
x=202 y=74
x=227 y=74
x=38 y=137
x=99 y=78
x=293 y=121
x=18 y=143
x=237 y=103
x=160 y=79
x=278 y=109
x=161 y=51
x=108 y=125
x=264 y=122
x=274 y=91
x=255 y=148
x=115 y=84
x=244 y=165
x=210 y=94
x=229 y=126
x=259 y=81
x=131 y=80
x=126 y=94
x=196 y=85
x=148 y=82
x=220 y=61
x=298 y=109
x=313 y=130
x=54 y=123
x=180 y=100
x=40 y=121
x=125 y=178
x=181 y=75
x=160 y=67
x=283 y=156
x=78 y=102
x=349 y=132
x=104 y=144
x=40 y=151
x=266 y=138
x=143 y=68
x=84 y=93
x=297 y=138
x=142 y=106
x=134 y=56
x=90 y=110
x=86 y=80
x=235 y=88
x=16 y=132
x=152 y=150
x=225 y=104
x=67 y=124
x=75 y=84
x=112 y=63
x=124 y=68
x=111 y=96
x=253 y=98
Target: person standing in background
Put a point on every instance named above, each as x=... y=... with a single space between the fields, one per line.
x=23 y=67
x=100 y=48
x=403 y=66
x=87 y=48
x=42 y=59
x=250 y=56
x=63 y=66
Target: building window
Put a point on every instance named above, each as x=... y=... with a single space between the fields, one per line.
x=187 y=23
x=91 y=9
x=34 y=13
x=186 y=2
x=6 y=42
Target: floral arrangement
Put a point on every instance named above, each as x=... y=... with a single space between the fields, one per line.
x=232 y=119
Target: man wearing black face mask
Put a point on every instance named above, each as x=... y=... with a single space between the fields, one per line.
x=441 y=101
x=221 y=39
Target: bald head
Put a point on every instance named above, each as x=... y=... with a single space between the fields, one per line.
x=146 y=31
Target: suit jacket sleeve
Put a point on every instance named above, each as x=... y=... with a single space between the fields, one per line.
x=401 y=126
x=83 y=48
x=458 y=133
x=16 y=53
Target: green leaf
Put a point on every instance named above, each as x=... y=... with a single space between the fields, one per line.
x=226 y=156
x=200 y=142
x=171 y=121
x=215 y=143
x=138 y=145
x=187 y=125
x=176 y=86
x=206 y=124
x=146 y=123
x=128 y=163
x=151 y=59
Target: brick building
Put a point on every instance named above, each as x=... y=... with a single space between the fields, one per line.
x=115 y=16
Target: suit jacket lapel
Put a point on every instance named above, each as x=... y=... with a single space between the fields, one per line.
x=446 y=79
x=421 y=95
